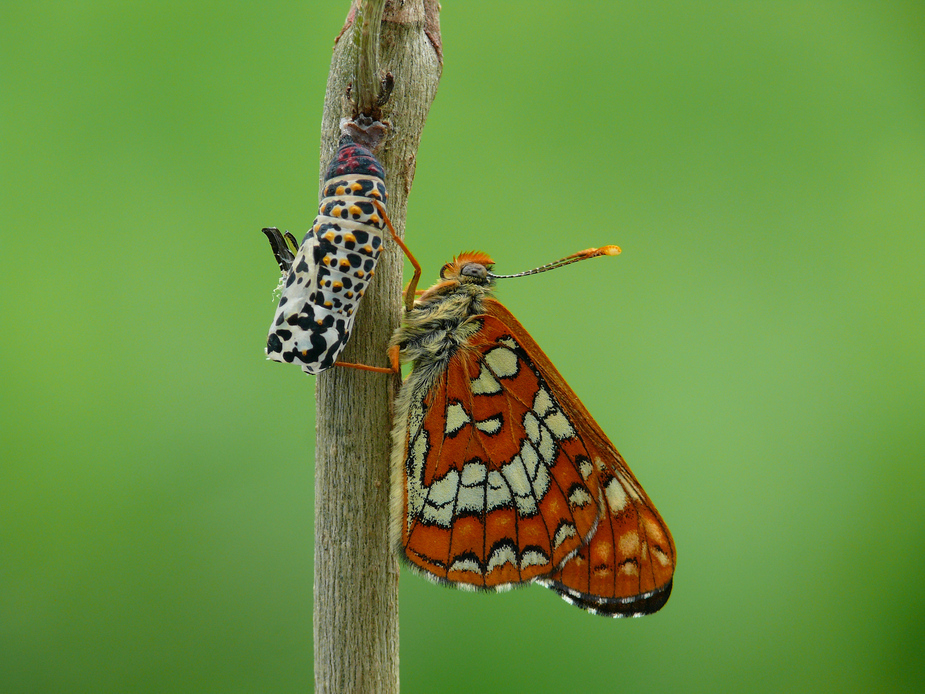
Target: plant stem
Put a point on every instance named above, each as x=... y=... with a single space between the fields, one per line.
x=356 y=573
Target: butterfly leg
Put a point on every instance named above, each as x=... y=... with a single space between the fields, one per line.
x=413 y=284
x=365 y=367
x=393 y=360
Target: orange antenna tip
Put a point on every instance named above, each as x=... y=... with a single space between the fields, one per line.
x=574 y=258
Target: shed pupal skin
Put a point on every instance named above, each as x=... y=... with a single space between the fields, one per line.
x=325 y=277
x=334 y=264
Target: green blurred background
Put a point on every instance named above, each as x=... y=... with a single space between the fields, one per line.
x=757 y=353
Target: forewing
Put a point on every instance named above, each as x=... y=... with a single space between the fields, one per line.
x=626 y=567
x=497 y=486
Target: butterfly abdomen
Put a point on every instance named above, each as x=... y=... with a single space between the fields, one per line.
x=334 y=264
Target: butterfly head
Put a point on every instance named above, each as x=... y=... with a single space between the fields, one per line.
x=471 y=272
x=472 y=267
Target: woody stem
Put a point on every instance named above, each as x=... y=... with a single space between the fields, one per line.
x=356 y=575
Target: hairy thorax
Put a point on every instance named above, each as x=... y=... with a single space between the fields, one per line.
x=440 y=323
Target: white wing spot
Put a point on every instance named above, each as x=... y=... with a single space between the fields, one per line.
x=532 y=427
x=542 y=403
x=441 y=516
x=539 y=474
x=628 y=544
x=526 y=505
x=415 y=466
x=533 y=557
x=547 y=448
x=439 y=505
x=530 y=458
x=501 y=556
x=585 y=468
x=418 y=451
x=470 y=499
x=516 y=476
x=616 y=496
x=629 y=487
x=629 y=568
x=472 y=488
x=472 y=474
x=502 y=361
x=492 y=425
x=579 y=497
x=565 y=531
x=560 y=427
x=653 y=530
x=444 y=490
x=456 y=418
x=541 y=483
x=466 y=565
x=485 y=384
x=499 y=496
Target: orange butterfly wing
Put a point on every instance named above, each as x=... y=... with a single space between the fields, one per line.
x=507 y=478
x=626 y=567
x=496 y=488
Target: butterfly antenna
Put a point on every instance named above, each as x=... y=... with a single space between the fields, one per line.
x=574 y=258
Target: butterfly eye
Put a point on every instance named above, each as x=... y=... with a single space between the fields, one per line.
x=474 y=270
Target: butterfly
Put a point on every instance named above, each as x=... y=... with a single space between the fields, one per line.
x=327 y=275
x=500 y=476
